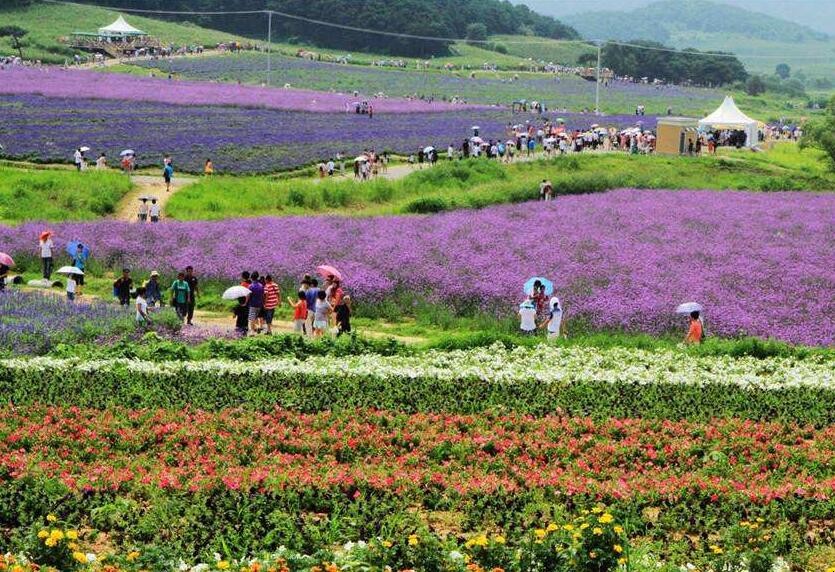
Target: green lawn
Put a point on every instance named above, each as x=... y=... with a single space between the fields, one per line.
x=58 y=194
x=479 y=183
x=48 y=24
x=544 y=49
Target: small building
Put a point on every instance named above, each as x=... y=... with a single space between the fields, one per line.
x=676 y=134
x=117 y=39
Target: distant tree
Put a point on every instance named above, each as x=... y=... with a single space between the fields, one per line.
x=476 y=33
x=587 y=59
x=14 y=4
x=783 y=70
x=16 y=33
x=755 y=85
x=820 y=133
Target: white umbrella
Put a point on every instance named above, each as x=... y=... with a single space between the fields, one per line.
x=475 y=128
x=477 y=140
x=236 y=292
x=70 y=270
x=83 y=149
x=361 y=159
x=688 y=307
x=511 y=142
x=127 y=152
x=428 y=149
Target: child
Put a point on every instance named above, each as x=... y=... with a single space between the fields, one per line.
x=241 y=313
x=323 y=311
x=299 y=312
x=71 y=287
x=142 y=317
x=527 y=313
x=343 y=316
x=555 y=323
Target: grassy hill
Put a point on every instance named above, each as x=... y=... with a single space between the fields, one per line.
x=543 y=49
x=759 y=40
x=48 y=23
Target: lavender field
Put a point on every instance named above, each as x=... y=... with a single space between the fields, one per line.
x=571 y=92
x=621 y=260
x=238 y=139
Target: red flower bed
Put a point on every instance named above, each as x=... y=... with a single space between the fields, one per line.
x=365 y=451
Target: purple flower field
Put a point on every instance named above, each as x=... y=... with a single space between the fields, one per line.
x=237 y=139
x=621 y=260
x=55 y=82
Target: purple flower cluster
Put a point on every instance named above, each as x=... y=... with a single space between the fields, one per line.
x=55 y=82
x=237 y=139
x=31 y=323
x=564 y=91
x=621 y=260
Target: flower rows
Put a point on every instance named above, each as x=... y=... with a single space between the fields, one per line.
x=621 y=260
x=371 y=453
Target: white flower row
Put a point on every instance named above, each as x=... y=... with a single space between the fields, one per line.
x=546 y=364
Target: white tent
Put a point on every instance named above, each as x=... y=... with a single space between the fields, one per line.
x=728 y=116
x=120 y=28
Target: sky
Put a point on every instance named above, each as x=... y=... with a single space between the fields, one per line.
x=817 y=14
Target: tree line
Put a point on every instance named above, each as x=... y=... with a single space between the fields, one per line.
x=433 y=18
x=698 y=68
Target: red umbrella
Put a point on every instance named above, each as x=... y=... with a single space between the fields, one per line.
x=45 y=234
x=6 y=260
x=326 y=271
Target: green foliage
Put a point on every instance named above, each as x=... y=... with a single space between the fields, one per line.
x=16 y=33
x=820 y=133
x=476 y=32
x=783 y=70
x=755 y=85
x=59 y=195
x=678 y=67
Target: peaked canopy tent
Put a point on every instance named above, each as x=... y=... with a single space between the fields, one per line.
x=728 y=116
x=120 y=28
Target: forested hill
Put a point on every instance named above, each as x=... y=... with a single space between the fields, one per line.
x=435 y=18
x=662 y=21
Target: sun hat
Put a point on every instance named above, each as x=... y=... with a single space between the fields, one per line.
x=154 y=273
x=45 y=234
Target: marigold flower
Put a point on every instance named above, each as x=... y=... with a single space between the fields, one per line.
x=551 y=527
x=597 y=531
x=72 y=535
x=618 y=529
x=715 y=549
x=499 y=539
x=223 y=565
x=568 y=527
x=386 y=543
x=622 y=561
x=43 y=534
x=133 y=555
x=606 y=518
x=597 y=510
x=413 y=540
x=80 y=557
x=540 y=533
x=618 y=548
x=51 y=518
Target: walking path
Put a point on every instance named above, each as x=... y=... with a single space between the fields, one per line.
x=149 y=185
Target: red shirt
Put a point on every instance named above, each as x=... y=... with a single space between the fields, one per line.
x=300 y=313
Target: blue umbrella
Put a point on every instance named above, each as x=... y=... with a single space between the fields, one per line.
x=72 y=249
x=528 y=287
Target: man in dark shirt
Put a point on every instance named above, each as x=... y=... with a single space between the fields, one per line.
x=191 y=279
x=122 y=286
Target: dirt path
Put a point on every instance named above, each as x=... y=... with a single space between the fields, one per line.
x=109 y=62
x=148 y=185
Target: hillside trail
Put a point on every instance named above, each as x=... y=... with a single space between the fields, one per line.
x=110 y=62
x=150 y=185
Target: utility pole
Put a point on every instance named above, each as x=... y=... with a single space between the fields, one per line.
x=269 y=46
x=597 y=86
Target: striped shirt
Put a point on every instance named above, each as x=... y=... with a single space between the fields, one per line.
x=271 y=294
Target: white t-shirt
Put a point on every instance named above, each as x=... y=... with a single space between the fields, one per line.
x=77 y=157
x=154 y=210
x=528 y=316
x=46 y=248
x=70 y=285
x=141 y=308
x=556 y=316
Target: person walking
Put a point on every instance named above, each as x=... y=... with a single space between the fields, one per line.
x=311 y=295
x=122 y=286
x=167 y=175
x=695 y=334
x=299 y=313
x=209 y=168
x=78 y=158
x=143 y=211
x=180 y=295
x=256 y=301
x=555 y=324
x=79 y=260
x=194 y=291
x=142 y=316
x=45 y=241
x=153 y=290
x=154 y=211
x=272 y=300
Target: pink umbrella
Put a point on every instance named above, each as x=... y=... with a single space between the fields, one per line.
x=6 y=260
x=326 y=271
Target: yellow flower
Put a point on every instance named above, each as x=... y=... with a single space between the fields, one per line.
x=57 y=534
x=592 y=554
x=17 y=568
x=568 y=527
x=715 y=549
x=618 y=529
x=760 y=520
x=72 y=546
x=597 y=510
x=43 y=534
x=72 y=535
x=386 y=543
x=606 y=518
x=540 y=533
x=499 y=539
x=830 y=569
x=597 y=530
x=584 y=526
x=622 y=561
x=80 y=557
x=51 y=518
x=223 y=565
x=551 y=527
x=133 y=555
x=618 y=548
x=413 y=540
x=50 y=542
